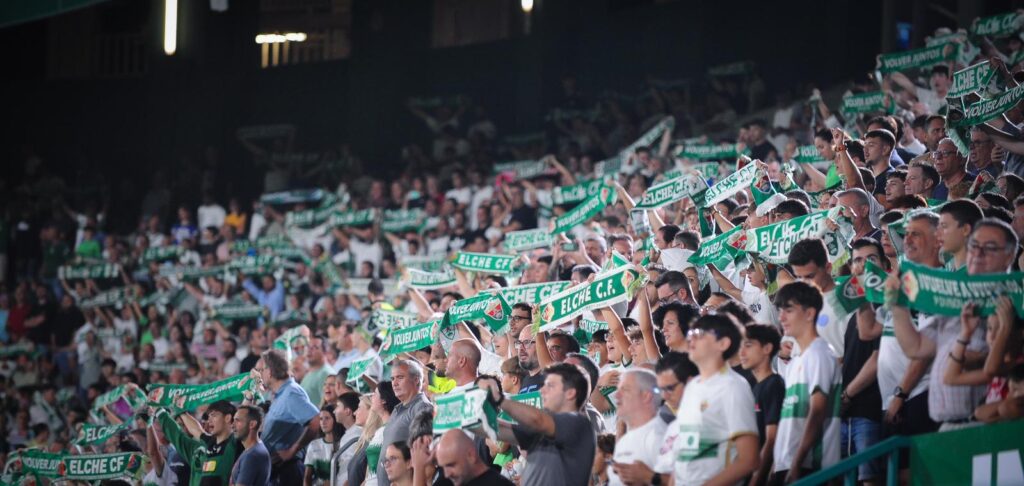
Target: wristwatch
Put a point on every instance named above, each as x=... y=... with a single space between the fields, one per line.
x=898 y=392
x=656 y=480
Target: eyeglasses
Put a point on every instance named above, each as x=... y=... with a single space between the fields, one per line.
x=697 y=333
x=979 y=249
x=520 y=318
x=525 y=344
x=390 y=460
x=704 y=309
x=941 y=154
x=669 y=388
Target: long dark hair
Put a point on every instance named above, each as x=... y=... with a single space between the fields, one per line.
x=337 y=431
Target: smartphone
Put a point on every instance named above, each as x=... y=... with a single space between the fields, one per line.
x=569 y=247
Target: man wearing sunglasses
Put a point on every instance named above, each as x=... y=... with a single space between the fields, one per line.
x=955 y=181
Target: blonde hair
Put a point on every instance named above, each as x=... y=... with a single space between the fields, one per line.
x=373 y=422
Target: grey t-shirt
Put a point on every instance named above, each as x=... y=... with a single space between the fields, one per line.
x=397 y=429
x=252 y=467
x=566 y=459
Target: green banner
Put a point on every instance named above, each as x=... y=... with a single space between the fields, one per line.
x=192 y=274
x=873 y=102
x=430 y=263
x=388 y=319
x=972 y=79
x=487 y=263
x=589 y=327
x=989 y=455
x=292 y=197
x=362 y=217
x=576 y=193
x=464 y=410
x=671 y=191
x=917 y=58
x=587 y=209
x=357 y=369
x=254 y=265
x=530 y=293
x=402 y=220
x=98 y=434
x=406 y=340
x=95 y=467
x=608 y=288
x=522 y=169
x=236 y=312
x=290 y=338
x=190 y=397
x=710 y=151
x=774 y=242
x=986 y=110
x=308 y=218
x=79 y=272
x=430 y=280
x=727 y=187
x=118 y=297
x=532 y=399
x=808 y=154
x=517 y=241
x=161 y=253
x=39 y=463
x=944 y=292
x=720 y=250
x=491 y=308
x=132 y=395
x=1000 y=25
x=10 y=351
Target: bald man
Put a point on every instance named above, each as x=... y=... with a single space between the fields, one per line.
x=457 y=456
x=463 y=363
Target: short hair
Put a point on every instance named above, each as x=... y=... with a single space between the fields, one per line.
x=941 y=70
x=571 y=344
x=799 y=195
x=738 y=310
x=795 y=207
x=765 y=334
x=403 y=449
x=669 y=231
x=890 y=217
x=676 y=279
x=572 y=377
x=585 y=270
x=996 y=212
x=349 y=400
x=900 y=174
x=686 y=313
x=932 y=118
x=512 y=367
x=862 y=196
x=919 y=121
x=600 y=240
x=600 y=336
x=617 y=237
x=887 y=122
x=729 y=203
x=645 y=379
x=884 y=135
x=679 y=364
x=855 y=149
x=255 y=414
x=223 y=406
x=928 y=172
x=824 y=134
x=526 y=306
x=1016 y=373
x=866 y=242
x=802 y=294
x=688 y=238
x=276 y=363
x=722 y=327
x=588 y=365
x=810 y=250
x=909 y=201
x=963 y=211
x=413 y=367
x=930 y=217
x=1011 y=237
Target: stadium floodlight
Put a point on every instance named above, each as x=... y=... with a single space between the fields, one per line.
x=527 y=5
x=170 y=26
x=281 y=38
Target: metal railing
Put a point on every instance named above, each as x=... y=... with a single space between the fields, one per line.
x=847 y=468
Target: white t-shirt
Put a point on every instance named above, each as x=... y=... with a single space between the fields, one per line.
x=462 y=195
x=640 y=444
x=816 y=368
x=212 y=215
x=481 y=195
x=366 y=252
x=700 y=442
x=893 y=362
x=760 y=304
x=831 y=325
x=930 y=99
x=318 y=456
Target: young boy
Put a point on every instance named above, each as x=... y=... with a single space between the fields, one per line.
x=716 y=429
x=759 y=347
x=808 y=437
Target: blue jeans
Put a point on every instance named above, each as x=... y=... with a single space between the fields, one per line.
x=856 y=435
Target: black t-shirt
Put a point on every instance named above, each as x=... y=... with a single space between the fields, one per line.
x=881 y=179
x=762 y=150
x=768 y=395
x=41 y=333
x=65 y=323
x=526 y=216
x=532 y=383
x=489 y=478
x=248 y=363
x=746 y=374
x=868 y=403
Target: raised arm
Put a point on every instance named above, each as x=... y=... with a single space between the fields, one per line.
x=647 y=327
x=912 y=342
x=616 y=329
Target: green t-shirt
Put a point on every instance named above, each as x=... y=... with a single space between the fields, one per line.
x=89 y=249
x=207 y=460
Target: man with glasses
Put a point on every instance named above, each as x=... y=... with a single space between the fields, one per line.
x=981 y=153
x=673 y=286
x=715 y=430
x=525 y=348
x=955 y=181
x=991 y=248
x=808 y=437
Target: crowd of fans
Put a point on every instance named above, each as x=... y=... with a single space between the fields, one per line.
x=743 y=370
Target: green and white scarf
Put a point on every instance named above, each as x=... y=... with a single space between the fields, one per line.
x=486 y=263
x=530 y=293
x=40 y=463
x=944 y=292
x=608 y=288
x=873 y=102
x=430 y=280
x=671 y=191
x=723 y=151
x=522 y=169
x=517 y=241
x=161 y=253
x=357 y=370
x=727 y=187
x=389 y=319
x=353 y=217
x=587 y=209
x=287 y=339
x=192 y=274
x=532 y=399
x=98 y=434
x=917 y=58
x=986 y=110
x=79 y=272
x=407 y=340
x=231 y=389
x=308 y=218
x=808 y=154
x=430 y=263
x=402 y=220
x=720 y=250
x=292 y=197
x=236 y=312
x=255 y=265
x=490 y=308
x=649 y=137
x=96 y=467
x=118 y=297
x=774 y=242
x=575 y=193
x=465 y=410
x=1000 y=25
x=971 y=79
